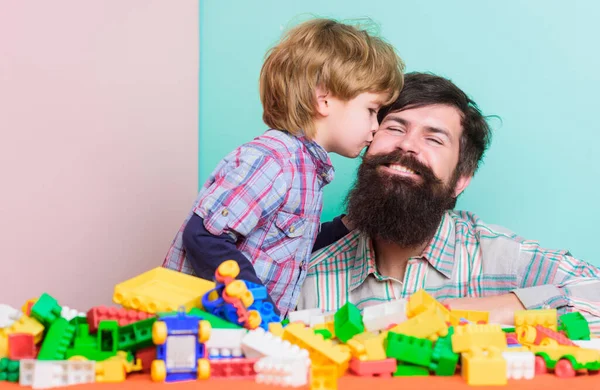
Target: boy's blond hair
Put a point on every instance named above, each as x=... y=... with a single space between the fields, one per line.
x=343 y=59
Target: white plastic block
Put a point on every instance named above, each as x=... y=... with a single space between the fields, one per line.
x=590 y=344
x=8 y=315
x=321 y=318
x=68 y=313
x=304 y=316
x=259 y=343
x=282 y=371
x=382 y=315
x=45 y=374
x=225 y=343
x=519 y=365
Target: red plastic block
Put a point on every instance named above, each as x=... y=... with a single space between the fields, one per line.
x=511 y=339
x=232 y=368
x=146 y=355
x=21 y=346
x=542 y=333
x=381 y=368
x=122 y=316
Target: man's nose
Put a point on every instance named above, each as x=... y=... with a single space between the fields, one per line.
x=408 y=144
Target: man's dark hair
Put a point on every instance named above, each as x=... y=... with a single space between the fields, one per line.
x=423 y=89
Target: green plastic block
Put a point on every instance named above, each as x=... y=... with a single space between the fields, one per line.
x=508 y=330
x=108 y=336
x=57 y=340
x=408 y=349
x=9 y=370
x=324 y=332
x=98 y=347
x=575 y=326
x=348 y=322
x=443 y=360
x=46 y=310
x=215 y=322
x=410 y=370
x=136 y=335
x=285 y=322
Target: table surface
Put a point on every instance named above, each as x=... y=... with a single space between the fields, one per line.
x=542 y=382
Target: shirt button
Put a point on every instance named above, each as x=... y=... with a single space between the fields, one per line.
x=292 y=229
x=225 y=212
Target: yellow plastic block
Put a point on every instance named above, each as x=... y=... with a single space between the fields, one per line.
x=471 y=336
x=276 y=329
x=111 y=370
x=546 y=318
x=161 y=289
x=321 y=352
x=581 y=355
x=25 y=324
x=429 y=324
x=420 y=302
x=326 y=325
x=469 y=315
x=323 y=377
x=481 y=369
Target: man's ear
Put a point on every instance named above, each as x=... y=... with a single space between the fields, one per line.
x=322 y=96
x=461 y=184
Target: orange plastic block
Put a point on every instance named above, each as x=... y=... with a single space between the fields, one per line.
x=161 y=290
x=467 y=337
x=119 y=314
x=420 y=302
x=233 y=368
x=381 y=368
x=477 y=317
x=538 y=335
x=483 y=369
x=323 y=377
x=110 y=370
x=429 y=324
x=546 y=318
x=321 y=352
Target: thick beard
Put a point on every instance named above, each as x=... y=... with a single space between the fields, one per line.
x=394 y=208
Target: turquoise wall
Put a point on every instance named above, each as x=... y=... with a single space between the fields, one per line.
x=534 y=63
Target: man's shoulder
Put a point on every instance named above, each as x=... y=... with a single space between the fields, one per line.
x=470 y=225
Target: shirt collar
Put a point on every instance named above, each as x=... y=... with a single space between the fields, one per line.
x=320 y=158
x=439 y=253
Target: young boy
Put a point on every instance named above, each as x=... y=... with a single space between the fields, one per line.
x=320 y=88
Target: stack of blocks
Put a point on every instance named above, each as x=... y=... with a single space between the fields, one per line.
x=178 y=327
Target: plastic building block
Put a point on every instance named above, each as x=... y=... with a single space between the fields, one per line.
x=266 y=311
x=24 y=324
x=8 y=315
x=367 y=346
x=322 y=318
x=589 y=344
x=323 y=377
x=326 y=326
x=46 y=310
x=483 y=369
x=546 y=318
x=428 y=324
x=575 y=326
x=9 y=370
x=276 y=329
x=97 y=347
x=323 y=332
x=233 y=368
x=384 y=315
x=21 y=346
x=538 y=335
x=321 y=352
x=68 y=314
x=180 y=351
x=48 y=374
x=409 y=349
x=226 y=343
x=379 y=368
x=257 y=343
x=215 y=322
x=566 y=360
x=410 y=370
x=483 y=336
x=473 y=316
x=519 y=365
x=146 y=356
x=420 y=302
x=121 y=315
x=232 y=306
x=110 y=371
x=286 y=371
x=57 y=340
x=136 y=335
x=304 y=316
x=511 y=339
x=348 y=322
x=161 y=289
x=443 y=359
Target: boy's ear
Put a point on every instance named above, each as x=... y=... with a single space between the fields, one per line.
x=322 y=96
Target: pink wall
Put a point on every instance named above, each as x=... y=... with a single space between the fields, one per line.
x=98 y=142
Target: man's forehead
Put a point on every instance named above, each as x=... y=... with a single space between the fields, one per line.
x=440 y=114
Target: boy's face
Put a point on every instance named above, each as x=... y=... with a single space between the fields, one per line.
x=351 y=124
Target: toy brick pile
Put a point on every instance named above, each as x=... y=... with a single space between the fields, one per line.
x=177 y=327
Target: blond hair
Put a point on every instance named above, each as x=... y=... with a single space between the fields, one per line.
x=343 y=59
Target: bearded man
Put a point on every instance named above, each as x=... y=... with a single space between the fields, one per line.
x=406 y=236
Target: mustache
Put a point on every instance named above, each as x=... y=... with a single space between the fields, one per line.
x=401 y=158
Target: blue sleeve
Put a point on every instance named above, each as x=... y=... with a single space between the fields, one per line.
x=206 y=252
x=330 y=233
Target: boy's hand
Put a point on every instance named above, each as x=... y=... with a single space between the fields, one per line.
x=501 y=307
